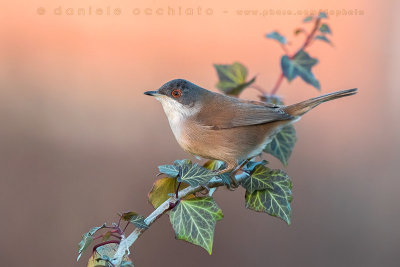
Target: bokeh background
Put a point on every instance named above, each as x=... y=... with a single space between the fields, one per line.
x=79 y=142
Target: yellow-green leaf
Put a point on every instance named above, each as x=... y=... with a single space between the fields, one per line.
x=161 y=190
x=104 y=254
x=275 y=201
x=194 y=221
x=258 y=180
x=232 y=78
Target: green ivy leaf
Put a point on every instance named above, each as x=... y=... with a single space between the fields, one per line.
x=275 y=201
x=232 y=78
x=194 y=221
x=139 y=222
x=169 y=170
x=258 y=180
x=300 y=65
x=215 y=165
x=173 y=170
x=322 y=15
x=308 y=19
x=87 y=239
x=322 y=38
x=161 y=190
x=134 y=218
x=103 y=257
x=325 y=29
x=180 y=162
x=249 y=167
x=277 y=36
x=282 y=144
x=195 y=175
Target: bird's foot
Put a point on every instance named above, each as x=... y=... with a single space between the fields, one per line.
x=204 y=190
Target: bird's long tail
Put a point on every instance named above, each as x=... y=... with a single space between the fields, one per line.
x=303 y=107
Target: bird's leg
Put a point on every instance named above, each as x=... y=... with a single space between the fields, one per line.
x=233 y=168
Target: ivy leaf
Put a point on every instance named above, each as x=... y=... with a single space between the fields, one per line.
x=161 y=190
x=194 y=221
x=139 y=222
x=215 y=165
x=232 y=78
x=322 y=15
x=87 y=239
x=249 y=167
x=322 y=38
x=325 y=29
x=173 y=170
x=103 y=257
x=300 y=65
x=308 y=18
x=282 y=144
x=258 y=180
x=277 y=36
x=134 y=218
x=169 y=170
x=275 y=201
x=180 y=162
x=195 y=175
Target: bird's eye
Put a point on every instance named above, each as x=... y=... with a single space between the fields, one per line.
x=176 y=93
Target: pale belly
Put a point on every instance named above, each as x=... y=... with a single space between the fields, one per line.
x=230 y=145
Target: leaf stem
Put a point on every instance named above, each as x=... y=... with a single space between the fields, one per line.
x=284 y=48
x=177 y=190
x=277 y=84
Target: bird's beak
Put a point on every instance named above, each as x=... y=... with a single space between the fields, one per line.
x=151 y=93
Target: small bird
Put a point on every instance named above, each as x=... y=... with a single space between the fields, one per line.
x=215 y=126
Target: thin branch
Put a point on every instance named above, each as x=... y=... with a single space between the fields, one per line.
x=258 y=88
x=126 y=243
x=306 y=43
x=311 y=35
x=277 y=84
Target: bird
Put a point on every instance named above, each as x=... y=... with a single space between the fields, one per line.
x=214 y=126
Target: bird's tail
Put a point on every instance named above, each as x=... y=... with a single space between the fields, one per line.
x=303 y=107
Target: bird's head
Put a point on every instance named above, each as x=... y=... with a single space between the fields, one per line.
x=179 y=96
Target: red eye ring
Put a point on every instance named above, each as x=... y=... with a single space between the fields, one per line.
x=176 y=93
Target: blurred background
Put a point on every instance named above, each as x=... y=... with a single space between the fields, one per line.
x=79 y=142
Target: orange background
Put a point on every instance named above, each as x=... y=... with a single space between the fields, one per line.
x=79 y=142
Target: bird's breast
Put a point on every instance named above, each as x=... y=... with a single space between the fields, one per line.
x=179 y=117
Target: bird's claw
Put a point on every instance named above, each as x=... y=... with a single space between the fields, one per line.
x=204 y=190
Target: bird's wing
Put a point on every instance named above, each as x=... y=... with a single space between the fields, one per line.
x=228 y=112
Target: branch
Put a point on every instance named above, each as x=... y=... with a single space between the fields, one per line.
x=306 y=43
x=126 y=243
